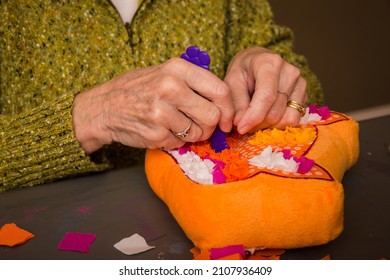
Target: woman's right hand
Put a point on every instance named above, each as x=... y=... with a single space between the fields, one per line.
x=142 y=108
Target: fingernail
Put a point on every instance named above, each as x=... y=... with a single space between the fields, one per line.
x=243 y=129
x=227 y=129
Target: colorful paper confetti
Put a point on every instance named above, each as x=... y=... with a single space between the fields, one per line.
x=236 y=252
x=233 y=163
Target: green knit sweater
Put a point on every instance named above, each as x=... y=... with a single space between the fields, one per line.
x=51 y=50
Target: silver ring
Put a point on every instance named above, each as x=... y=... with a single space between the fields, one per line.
x=284 y=93
x=184 y=133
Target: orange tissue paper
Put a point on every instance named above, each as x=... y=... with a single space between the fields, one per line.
x=11 y=235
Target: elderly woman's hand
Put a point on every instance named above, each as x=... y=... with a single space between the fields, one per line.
x=144 y=108
x=261 y=83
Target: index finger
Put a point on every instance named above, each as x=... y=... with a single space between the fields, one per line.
x=266 y=76
x=208 y=86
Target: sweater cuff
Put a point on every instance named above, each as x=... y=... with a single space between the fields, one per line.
x=40 y=146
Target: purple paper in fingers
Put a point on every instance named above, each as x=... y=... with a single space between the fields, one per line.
x=202 y=59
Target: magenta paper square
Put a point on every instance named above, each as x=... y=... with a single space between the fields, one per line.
x=217 y=253
x=76 y=241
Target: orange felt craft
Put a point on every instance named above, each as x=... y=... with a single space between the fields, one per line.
x=266 y=208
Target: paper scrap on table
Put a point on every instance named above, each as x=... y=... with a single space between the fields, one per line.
x=133 y=245
x=76 y=241
x=11 y=235
x=218 y=253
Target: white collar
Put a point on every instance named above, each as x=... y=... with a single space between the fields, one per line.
x=126 y=8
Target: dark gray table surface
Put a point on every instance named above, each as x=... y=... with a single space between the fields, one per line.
x=118 y=203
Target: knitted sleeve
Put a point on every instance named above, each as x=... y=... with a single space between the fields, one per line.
x=250 y=23
x=39 y=146
x=50 y=50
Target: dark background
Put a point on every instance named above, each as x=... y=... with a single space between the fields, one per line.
x=347 y=44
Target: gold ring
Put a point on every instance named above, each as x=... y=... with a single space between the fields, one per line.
x=297 y=106
x=284 y=93
x=184 y=133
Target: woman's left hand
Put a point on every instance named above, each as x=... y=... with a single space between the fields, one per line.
x=261 y=83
